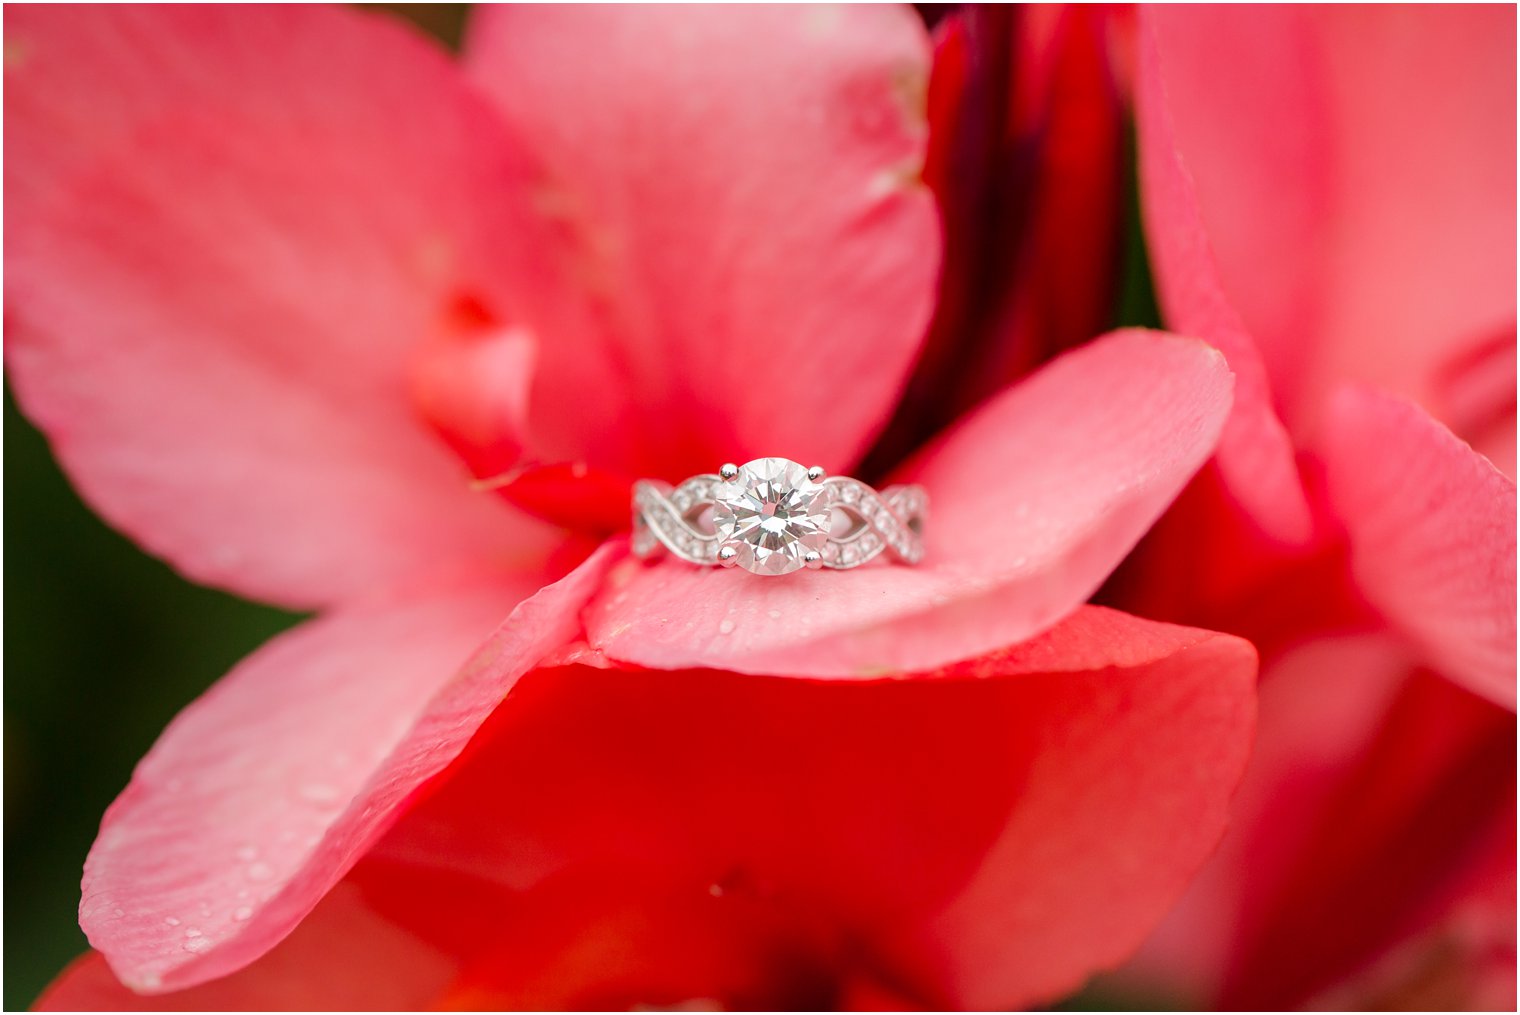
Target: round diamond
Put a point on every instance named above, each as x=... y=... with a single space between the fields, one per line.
x=772 y=515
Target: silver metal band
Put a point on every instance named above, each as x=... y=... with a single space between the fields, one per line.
x=861 y=523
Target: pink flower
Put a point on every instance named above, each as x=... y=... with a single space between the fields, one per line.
x=281 y=280
x=1330 y=200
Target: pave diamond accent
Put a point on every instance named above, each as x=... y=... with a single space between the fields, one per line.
x=772 y=515
x=888 y=519
x=658 y=519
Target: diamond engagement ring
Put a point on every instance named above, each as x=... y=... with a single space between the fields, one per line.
x=773 y=516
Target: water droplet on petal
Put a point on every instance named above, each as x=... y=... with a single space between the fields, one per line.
x=726 y=627
x=192 y=932
x=260 y=872
x=246 y=853
x=197 y=944
x=242 y=913
x=171 y=921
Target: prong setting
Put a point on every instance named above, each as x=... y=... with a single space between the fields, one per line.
x=728 y=556
x=729 y=471
x=816 y=473
x=812 y=559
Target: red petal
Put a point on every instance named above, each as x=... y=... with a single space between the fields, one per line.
x=1461 y=954
x=261 y=794
x=1388 y=832
x=985 y=837
x=1034 y=499
x=1369 y=789
x=747 y=254
x=228 y=227
x=1432 y=530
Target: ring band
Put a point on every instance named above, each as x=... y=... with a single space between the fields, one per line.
x=773 y=516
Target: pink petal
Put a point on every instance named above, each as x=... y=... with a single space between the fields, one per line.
x=228 y=229
x=1034 y=499
x=1406 y=812
x=1355 y=172
x=1319 y=708
x=748 y=254
x=472 y=384
x=1255 y=455
x=262 y=793
x=985 y=839
x=343 y=957
x=1432 y=530
x=1476 y=394
x=1370 y=788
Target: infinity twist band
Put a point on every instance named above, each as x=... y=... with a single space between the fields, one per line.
x=772 y=516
